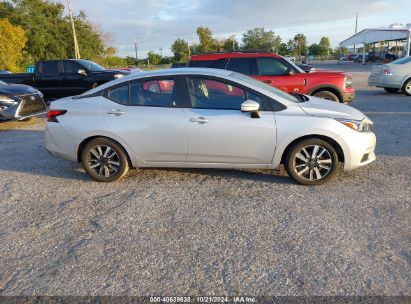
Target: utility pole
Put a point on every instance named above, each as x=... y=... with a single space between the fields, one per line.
x=356 y=27
x=76 y=48
x=136 y=49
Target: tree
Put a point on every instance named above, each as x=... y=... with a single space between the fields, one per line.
x=154 y=58
x=300 y=42
x=283 y=49
x=48 y=30
x=259 y=39
x=230 y=44
x=291 y=47
x=180 y=50
x=315 y=49
x=325 y=45
x=12 y=42
x=207 y=43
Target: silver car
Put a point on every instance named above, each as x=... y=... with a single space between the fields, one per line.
x=393 y=76
x=206 y=118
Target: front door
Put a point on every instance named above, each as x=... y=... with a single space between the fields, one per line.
x=218 y=132
x=278 y=73
x=146 y=115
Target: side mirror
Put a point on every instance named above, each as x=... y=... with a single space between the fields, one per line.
x=290 y=72
x=82 y=72
x=252 y=107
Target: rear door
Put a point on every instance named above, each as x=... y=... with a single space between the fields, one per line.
x=48 y=78
x=218 y=132
x=148 y=117
x=278 y=73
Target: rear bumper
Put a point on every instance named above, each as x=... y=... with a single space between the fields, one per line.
x=383 y=81
x=59 y=143
x=359 y=148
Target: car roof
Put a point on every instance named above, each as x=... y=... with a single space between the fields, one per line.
x=248 y=54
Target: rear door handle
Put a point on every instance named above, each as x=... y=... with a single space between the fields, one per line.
x=200 y=120
x=115 y=112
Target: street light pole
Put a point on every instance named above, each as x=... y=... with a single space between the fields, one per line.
x=76 y=48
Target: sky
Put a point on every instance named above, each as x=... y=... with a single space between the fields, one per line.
x=156 y=24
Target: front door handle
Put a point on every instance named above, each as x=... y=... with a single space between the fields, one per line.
x=268 y=81
x=200 y=120
x=115 y=112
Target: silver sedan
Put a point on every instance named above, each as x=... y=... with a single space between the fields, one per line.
x=393 y=76
x=206 y=118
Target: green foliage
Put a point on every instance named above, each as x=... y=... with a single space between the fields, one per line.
x=180 y=50
x=12 y=42
x=315 y=49
x=283 y=49
x=207 y=43
x=154 y=58
x=325 y=46
x=259 y=39
x=230 y=44
x=49 y=32
x=300 y=44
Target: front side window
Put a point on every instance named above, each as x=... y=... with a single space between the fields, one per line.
x=213 y=94
x=71 y=67
x=271 y=67
x=119 y=94
x=153 y=93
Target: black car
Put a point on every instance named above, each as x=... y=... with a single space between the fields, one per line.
x=19 y=102
x=62 y=78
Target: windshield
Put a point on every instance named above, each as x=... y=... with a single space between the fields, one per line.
x=402 y=60
x=265 y=86
x=91 y=66
x=294 y=65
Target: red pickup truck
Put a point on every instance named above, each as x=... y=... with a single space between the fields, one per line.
x=281 y=73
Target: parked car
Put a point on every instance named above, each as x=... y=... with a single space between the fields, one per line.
x=282 y=74
x=359 y=58
x=211 y=119
x=19 y=102
x=392 y=76
x=60 y=78
x=308 y=68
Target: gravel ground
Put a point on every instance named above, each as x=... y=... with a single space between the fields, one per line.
x=208 y=232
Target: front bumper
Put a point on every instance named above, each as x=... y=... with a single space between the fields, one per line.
x=348 y=96
x=358 y=147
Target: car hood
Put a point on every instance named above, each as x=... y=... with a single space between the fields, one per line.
x=325 y=108
x=17 y=89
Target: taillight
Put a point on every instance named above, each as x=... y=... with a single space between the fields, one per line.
x=52 y=115
x=387 y=72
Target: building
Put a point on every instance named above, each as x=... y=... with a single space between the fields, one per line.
x=395 y=40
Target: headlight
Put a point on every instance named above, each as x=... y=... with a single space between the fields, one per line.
x=40 y=94
x=348 y=82
x=364 y=125
x=117 y=76
x=5 y=98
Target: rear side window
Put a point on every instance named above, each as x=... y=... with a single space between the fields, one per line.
x=214 y=64
x=271 y=67
x=241 y=65
x=49 y=68
x=153 y=93
x=119 y=94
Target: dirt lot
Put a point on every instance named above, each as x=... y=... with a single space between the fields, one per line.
x=208 y=232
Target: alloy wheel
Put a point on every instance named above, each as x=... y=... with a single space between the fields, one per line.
x=313 y=162
x=104 y=160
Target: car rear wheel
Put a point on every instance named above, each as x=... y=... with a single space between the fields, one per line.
x=406 y=89
x=311 y=162
x=391 y=90
x=327 y=95
x=104 y=160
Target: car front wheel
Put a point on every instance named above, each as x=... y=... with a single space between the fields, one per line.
x=327 y=95
x=311 y=162
x=104 y=160
x=406 y=89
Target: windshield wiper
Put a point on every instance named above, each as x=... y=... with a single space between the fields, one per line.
x=301 y=97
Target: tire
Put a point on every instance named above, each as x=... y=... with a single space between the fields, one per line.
x=406 y=88
x=391 y=90
x=104 y=160
x=327 y=95
x=305 y=169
